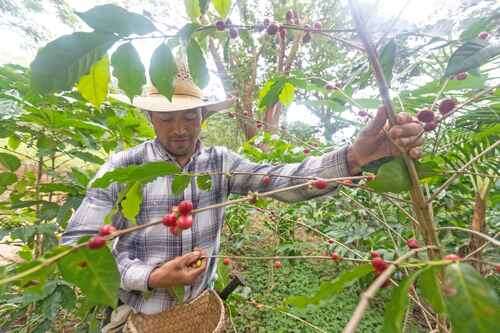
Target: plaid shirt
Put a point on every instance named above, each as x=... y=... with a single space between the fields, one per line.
x=138 y=253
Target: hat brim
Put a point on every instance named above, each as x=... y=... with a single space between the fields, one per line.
x=159 y=103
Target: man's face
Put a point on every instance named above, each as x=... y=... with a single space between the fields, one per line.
x=178 y=131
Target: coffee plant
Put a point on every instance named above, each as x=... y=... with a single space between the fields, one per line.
x=425 y=230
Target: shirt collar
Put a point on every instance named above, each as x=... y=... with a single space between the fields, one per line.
x=167 y=156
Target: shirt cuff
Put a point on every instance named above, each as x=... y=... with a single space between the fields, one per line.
x=335 y=164
x=136 y=277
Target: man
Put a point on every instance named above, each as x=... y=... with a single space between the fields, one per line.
x=153 y=259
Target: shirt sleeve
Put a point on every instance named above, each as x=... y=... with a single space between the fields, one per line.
x=87 y=220
x=329 y=165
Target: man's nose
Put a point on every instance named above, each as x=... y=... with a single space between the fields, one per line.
x=180 y=127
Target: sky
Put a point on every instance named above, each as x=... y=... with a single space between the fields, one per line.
x=415 y=12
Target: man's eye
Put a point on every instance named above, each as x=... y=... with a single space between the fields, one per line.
x=190 y=115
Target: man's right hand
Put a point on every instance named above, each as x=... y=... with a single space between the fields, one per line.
x=179 y=271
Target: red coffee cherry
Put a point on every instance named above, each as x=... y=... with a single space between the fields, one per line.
x=379 y=264
x=453 y=257
x=233 y=33
x=184 y=222
x=170 y=220
x=107 y=229
x=430 y=126
x=497 y=268
x=336 y=257
x=277 y=264
x=185 y=207
x=412 y=243
x=266 y=180
x=317 y=26
x=220 y=25
x=272 y=29
x=226 y=261
x=447 y=105
x=425 y=116
x=306 y=151
x=484 y=35
x=374 y=254
x=461 y=76
x=320 y=184
x=96 y=242
x=330 y=241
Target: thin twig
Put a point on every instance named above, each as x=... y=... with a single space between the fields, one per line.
x=480 y=234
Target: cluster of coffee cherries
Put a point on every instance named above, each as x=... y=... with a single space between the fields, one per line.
x=430 y=119
x=99 y=241
x=272 y=28
x=179 y=218
x=379 y=266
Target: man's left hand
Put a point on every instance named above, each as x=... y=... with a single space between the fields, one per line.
x=373 y=142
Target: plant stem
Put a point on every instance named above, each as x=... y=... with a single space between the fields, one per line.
x=420 y=207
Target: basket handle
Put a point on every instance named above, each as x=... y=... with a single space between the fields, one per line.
x=233 y=284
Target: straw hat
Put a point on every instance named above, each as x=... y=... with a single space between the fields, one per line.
x=186 y=96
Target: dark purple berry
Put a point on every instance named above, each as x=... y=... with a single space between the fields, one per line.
x=220 y=25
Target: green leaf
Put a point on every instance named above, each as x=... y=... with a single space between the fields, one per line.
x=429 y=286
x=10 y=161
x=94 y=272
x=204 y=6
x=129 y=70
x=193 y=9
x=204 y=182
x=61 y=63
x=222 y=7
x=114 y=19
x=13 y=142
x=287 y=94
x=143 y=173
x=471 y=55
x=94 y=86
x=57 y=187
x=197 y=64
x=269 y=94
x=391 y=177
x=7 y=178
x=86 y=156
x=180 y=183
x=387 y=59
x=473 y=305
x=163 y=70
x=131 y=205
x=187 y=30
x=329 y=289
x=396 y=307
x=369 y=103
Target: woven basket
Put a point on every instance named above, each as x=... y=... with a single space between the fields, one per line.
x=204 y=314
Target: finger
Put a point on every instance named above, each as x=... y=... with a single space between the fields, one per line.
x=194 y=273
x=403 y=118
x=406 y=130
x=189 y=258
x=410 y=142
x=377 y=123
x=415 y=153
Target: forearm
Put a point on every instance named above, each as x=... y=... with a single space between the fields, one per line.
x=330 y=165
